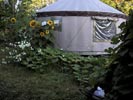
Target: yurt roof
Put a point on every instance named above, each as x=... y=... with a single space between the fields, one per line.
x=79 y=8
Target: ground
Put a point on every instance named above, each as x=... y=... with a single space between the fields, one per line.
x=18 y=83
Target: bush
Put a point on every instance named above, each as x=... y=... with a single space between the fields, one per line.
x=86 y=70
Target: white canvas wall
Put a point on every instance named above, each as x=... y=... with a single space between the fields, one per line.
x=77 y=35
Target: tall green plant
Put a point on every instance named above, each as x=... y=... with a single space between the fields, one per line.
x=19 y=29
x=120 y=75
x=41 y=36
x=13 y=23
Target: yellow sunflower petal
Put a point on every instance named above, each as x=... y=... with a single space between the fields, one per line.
x=13 y=20
x=42 y=34
x=47 y=32
x=50 y=22
x=33 y=23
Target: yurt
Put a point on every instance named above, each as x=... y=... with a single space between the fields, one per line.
x=83 y=26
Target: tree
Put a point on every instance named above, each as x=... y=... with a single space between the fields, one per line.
x=37 y=4
x=120 y=75
x=122 y=5
x=13 y=20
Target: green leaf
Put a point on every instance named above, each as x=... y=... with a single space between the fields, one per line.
x=122 y=53
x=30 y=65
x=115 y=40
x=76 y=74
x=131 y=54
x=76 y=67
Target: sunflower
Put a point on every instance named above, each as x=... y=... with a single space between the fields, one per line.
x=33 y=23
x=42 y=34
x=13 y=20
x=47 y=32
x=50 y=22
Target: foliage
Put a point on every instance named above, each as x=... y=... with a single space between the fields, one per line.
x=13 y=23
x=90 y=70
x=122 y=5
x=121 y=68
x=41 y=36
x=37 y=4
x=19 y=30
x=86 y=70
x=117 y=40
x=12 y=31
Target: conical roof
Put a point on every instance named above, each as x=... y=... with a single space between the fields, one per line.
x=79 y=8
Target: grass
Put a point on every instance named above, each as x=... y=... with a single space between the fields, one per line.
x=19 y=83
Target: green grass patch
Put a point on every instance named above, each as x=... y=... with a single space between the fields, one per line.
x=18 y=83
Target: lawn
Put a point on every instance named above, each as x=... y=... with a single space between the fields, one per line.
x=19 y=83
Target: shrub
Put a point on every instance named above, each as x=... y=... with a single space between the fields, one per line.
x=86 y=70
